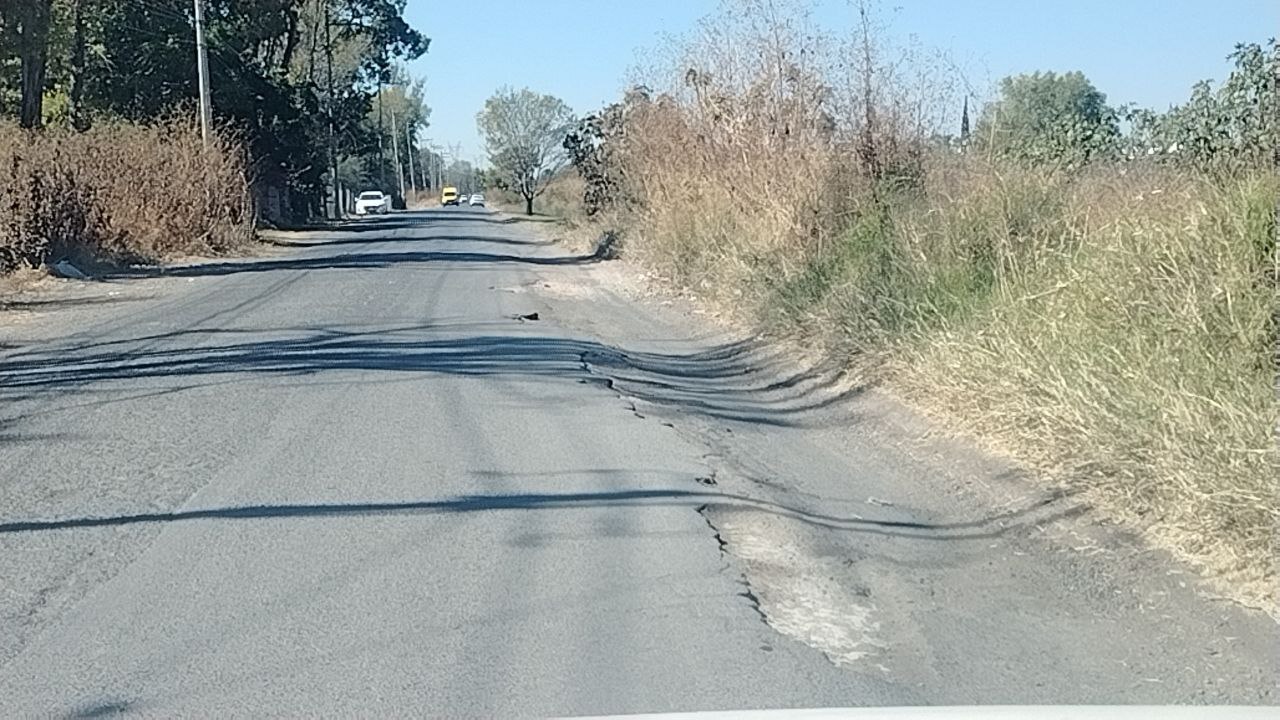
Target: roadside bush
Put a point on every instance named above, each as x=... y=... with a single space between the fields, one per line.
x=126 y=192
x=45 y=210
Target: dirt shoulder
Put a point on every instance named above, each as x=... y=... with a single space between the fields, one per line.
x=91 y=287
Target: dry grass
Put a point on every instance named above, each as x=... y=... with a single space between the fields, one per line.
x=1130 y=352
x=120 y=191
x=1115 y=329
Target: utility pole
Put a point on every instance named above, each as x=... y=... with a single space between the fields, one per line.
x=455 y=152
x=437 y=165
x=79 y=120
x=382 y=166
x=408 y=148
x=202 y=68
x=333 y=158
x=425 y=169
x=395 y=154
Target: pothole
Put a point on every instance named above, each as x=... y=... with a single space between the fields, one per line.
x=799 y=596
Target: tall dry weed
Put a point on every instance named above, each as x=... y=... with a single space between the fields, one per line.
x=1135 y=358
x=129 y=192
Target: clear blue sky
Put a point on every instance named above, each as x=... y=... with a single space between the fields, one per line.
x=1147 y=52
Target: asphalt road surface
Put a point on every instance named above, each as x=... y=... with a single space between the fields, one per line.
x=357 y=477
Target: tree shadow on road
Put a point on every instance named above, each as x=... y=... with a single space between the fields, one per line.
x=993 y=526
x=371 y=223
x=742 y=381
x=349 y=261
x=445 y=239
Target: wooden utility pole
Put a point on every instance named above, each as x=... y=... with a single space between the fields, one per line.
x=437 y=164
x=382 y=166
x=333 y=156
x=408 y=148
x=202 y=68
x=395 y=154
x=79 y=119
x=425 y=171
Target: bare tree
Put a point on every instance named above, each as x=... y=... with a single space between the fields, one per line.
x=524 y=133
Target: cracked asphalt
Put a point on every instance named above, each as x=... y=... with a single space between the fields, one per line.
x=355 y=477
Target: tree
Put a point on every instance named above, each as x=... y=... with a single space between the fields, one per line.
x=1235 y=127
x=524 y=133
x=462 y=175
x=27 y=23
x=595 y=146
x=1048 y=118
x=68 y=61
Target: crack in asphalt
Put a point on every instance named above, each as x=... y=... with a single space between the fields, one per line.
x=708 y=479
x=747 y=592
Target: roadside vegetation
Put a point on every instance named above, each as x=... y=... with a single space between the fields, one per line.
x=1101 y=304
x=99 y=151
x=120 y=192
x=524 y=134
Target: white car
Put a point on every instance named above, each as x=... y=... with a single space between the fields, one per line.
x=476 y=199
x=372 y=202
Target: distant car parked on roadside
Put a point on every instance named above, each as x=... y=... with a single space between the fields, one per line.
x=476 y=199
x=372 y=202
x=449 y=196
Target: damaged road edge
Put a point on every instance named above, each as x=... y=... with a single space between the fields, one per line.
x=747 y=591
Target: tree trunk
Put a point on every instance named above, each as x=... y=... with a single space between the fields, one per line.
x=314 y=34
x=528 y=204
x=290 y=41
x=79 y=118
x=33 y=50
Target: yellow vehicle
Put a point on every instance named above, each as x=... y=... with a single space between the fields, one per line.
x=449 y=196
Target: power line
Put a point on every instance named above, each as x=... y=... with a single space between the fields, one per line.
x=155 y=35
x=163 y=11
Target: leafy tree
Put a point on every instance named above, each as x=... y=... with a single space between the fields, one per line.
x=524 y=132
x=269 y=64
x=1234 y=127
x=1048 y=118
x=594 y=146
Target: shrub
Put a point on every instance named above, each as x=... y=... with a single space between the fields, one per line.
x=130 y=192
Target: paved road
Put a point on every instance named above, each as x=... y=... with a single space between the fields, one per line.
x=350 y=478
